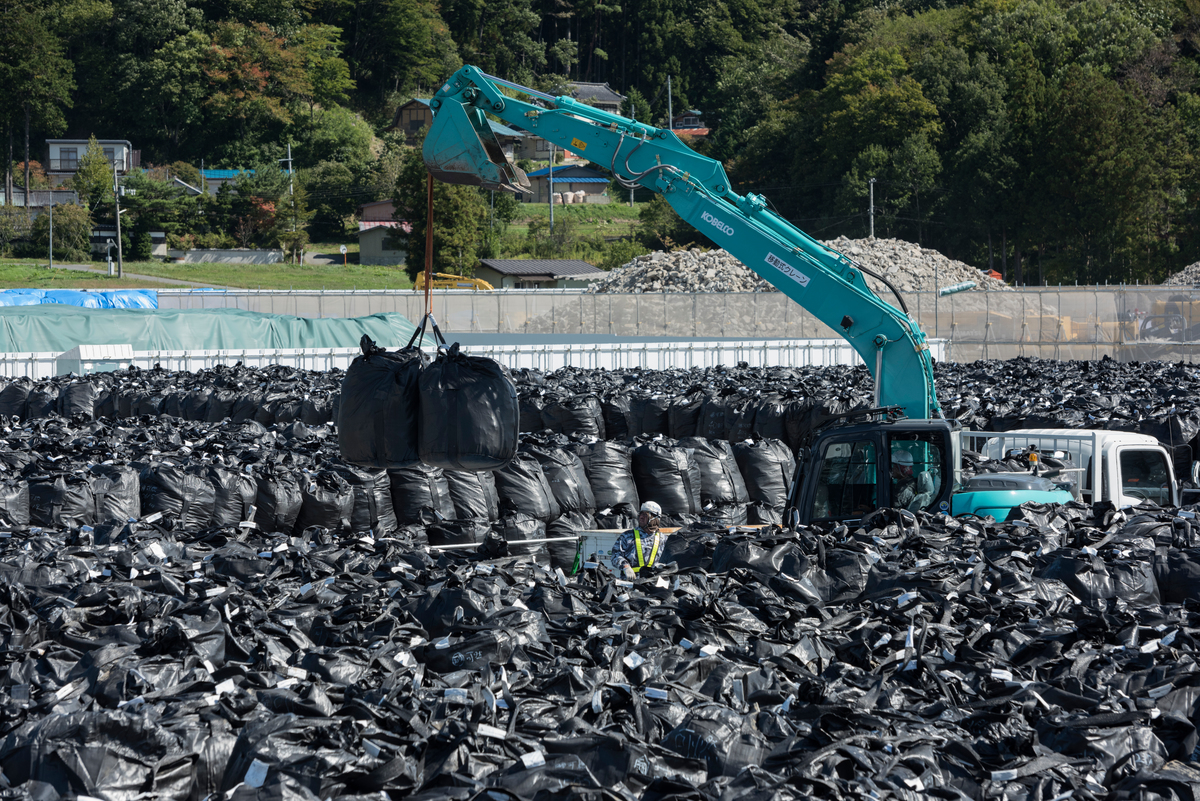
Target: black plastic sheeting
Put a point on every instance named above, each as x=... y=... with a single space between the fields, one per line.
x=192 y=652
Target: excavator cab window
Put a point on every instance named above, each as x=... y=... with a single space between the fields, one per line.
x=916 y=469
x=848 y=484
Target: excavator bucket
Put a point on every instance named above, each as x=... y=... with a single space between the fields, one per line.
x=461 y=148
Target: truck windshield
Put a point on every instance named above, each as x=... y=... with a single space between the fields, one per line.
x=847 y=485
x=1144 y=474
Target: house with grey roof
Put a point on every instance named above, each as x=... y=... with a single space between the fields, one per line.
x=537 y=273
x=598 y=95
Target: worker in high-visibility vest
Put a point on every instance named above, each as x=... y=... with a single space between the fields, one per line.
x=639 y=547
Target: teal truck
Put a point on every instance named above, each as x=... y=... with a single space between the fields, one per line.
x=907 y=454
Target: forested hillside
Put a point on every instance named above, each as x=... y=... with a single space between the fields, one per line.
x=1054 y=139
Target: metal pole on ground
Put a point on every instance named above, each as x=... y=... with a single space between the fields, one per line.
x=117 y=205
x=51 y=230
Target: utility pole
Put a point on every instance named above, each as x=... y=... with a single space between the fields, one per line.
x=51 y=229
x=670 y=113
x=291 y=192
x=117 y=205
x=550 y=184
x=872 y=210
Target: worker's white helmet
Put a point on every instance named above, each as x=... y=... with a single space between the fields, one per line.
x=902 y=458
x=652 y=507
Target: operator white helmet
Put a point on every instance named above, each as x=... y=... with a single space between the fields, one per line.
x=902 y=458
x=652 y=507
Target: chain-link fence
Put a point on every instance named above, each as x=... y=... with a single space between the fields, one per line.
x=1125 y=323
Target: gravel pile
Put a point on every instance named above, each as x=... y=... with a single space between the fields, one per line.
x=1188 y=276
x=909 y=267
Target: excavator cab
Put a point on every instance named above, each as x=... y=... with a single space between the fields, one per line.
x=462 y=148
x=857 y=468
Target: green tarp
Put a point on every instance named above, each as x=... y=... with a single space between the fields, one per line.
x=56 y=328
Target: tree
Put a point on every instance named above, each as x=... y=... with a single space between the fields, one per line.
x=331 y=192
x=319 y=48
x=72 y=233
x=93 y=179
x=459 y=213
x=14 y=226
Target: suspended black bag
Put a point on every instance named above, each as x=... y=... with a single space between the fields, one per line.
x=186 y=497
x=235 y=496
x=469 y=413
x=327 y=501
x=373 y=510
x=473 y=495
x=377 y=418
x=523 y=489
x=420 y=493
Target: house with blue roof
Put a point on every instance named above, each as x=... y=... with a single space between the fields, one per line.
x=213 y=180
x=582 y=185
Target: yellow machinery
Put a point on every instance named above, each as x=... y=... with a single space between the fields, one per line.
x=448 y=281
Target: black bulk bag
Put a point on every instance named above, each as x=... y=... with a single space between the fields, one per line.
x=720 y=479
x=145 y=403
x=458 y=532
x=326 y=501
x=567 y=478
x=278 y=503
x=78 y=399
x=186 y=497
x=523 y=489
x=172 y=404
x=105 y=406
x=648 y=416
x=14 y=502
x=220 y=405
x=373 y=510
x=710 y=423
x=609 y=469
x=566 y=529
x=725 y=515
x=770 y=419
x=739 y=418
x=246 y=406
x=669 y=476
x=14 y=399
x=420 y=494
x=683 y=415
x=116 y=493
x=576 y=414
x=473 y=495
x=767 y=466
x=43 y=400
x=616 y=416
x=316 y=411
x=286 y=410
x=235 y=495
x=469 y=414
x=377 y=418
x=531 y=414
x=195 y=405
x=63 y=501
x=520 y=527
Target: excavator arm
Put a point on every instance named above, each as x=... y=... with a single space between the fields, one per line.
x=462 y=148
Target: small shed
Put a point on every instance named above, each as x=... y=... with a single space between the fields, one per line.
x=568 y=179
x=380 y=241
x=538 y=273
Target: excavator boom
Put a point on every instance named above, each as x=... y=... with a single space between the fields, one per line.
x=461 y=147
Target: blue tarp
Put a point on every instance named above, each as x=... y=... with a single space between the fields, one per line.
x=105 y=299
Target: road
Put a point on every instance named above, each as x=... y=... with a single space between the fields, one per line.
x=126 y=274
